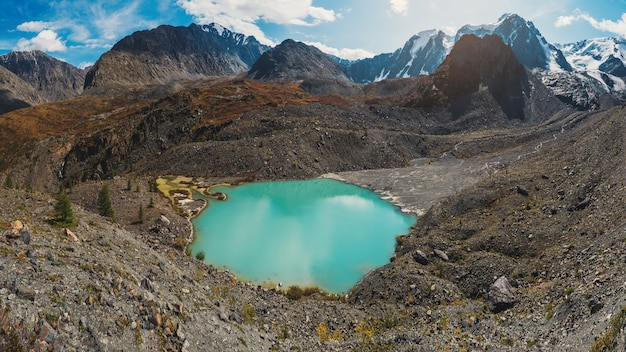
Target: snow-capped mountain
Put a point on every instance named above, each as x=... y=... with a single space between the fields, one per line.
x=588 y=74
x=602 y=54
x=421 y=54
x=602 y=58
x=528 y=44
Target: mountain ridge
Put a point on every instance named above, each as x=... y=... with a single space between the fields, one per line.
x=155 y=62
x=167 y=54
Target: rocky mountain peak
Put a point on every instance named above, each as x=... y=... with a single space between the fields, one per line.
x=167 y=54
x=476 y=64
x=420 y=55
x=295 y=61
x=238 y=38
x=52 y=78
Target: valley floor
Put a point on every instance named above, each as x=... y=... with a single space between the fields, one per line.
x=521 y=212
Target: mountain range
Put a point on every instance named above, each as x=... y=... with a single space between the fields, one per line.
x=588 y=74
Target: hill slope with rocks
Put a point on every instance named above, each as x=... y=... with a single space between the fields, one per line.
x=547 y=220
x=250 y=126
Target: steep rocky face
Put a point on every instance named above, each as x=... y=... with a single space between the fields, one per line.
x=481 y=84
x=486 y=68
x=167 y=54
x=579 y=90
x=15 y=93
x=52 y=78
x=474 y=61
x=295 y=61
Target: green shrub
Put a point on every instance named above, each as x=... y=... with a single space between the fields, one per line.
x=200 y=255
x=294 y=293
x=248 y=314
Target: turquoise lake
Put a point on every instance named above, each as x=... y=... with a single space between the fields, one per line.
x=320 y=232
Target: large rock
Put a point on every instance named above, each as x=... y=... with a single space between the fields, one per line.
x=16 y=229
x=420 y=257
x=441 y=254
x=501 y=296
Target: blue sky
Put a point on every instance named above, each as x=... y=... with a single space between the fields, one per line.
x=80 y=31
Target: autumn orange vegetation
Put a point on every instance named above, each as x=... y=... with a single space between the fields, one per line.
x=217 y=101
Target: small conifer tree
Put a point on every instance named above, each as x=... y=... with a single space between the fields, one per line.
x=140 y=215
x=63 y=213
x=104 y=203
x=151 y=204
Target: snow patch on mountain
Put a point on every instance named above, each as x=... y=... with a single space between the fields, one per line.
x=592 y=53
x=215 y=28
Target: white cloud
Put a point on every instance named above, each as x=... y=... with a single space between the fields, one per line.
x=34 y=26
x=616 y=27
x=85 y=64
x=345 y=53
x=242 y=15
x=400 y=7
x=46 y=40
x=113 y=24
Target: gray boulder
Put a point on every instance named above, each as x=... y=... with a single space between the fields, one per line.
x=501 y=296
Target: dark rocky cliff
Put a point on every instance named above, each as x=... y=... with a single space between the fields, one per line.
x=475 y=64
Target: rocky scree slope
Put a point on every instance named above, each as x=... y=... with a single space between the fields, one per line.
x=552 y=223
x=247 y=128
